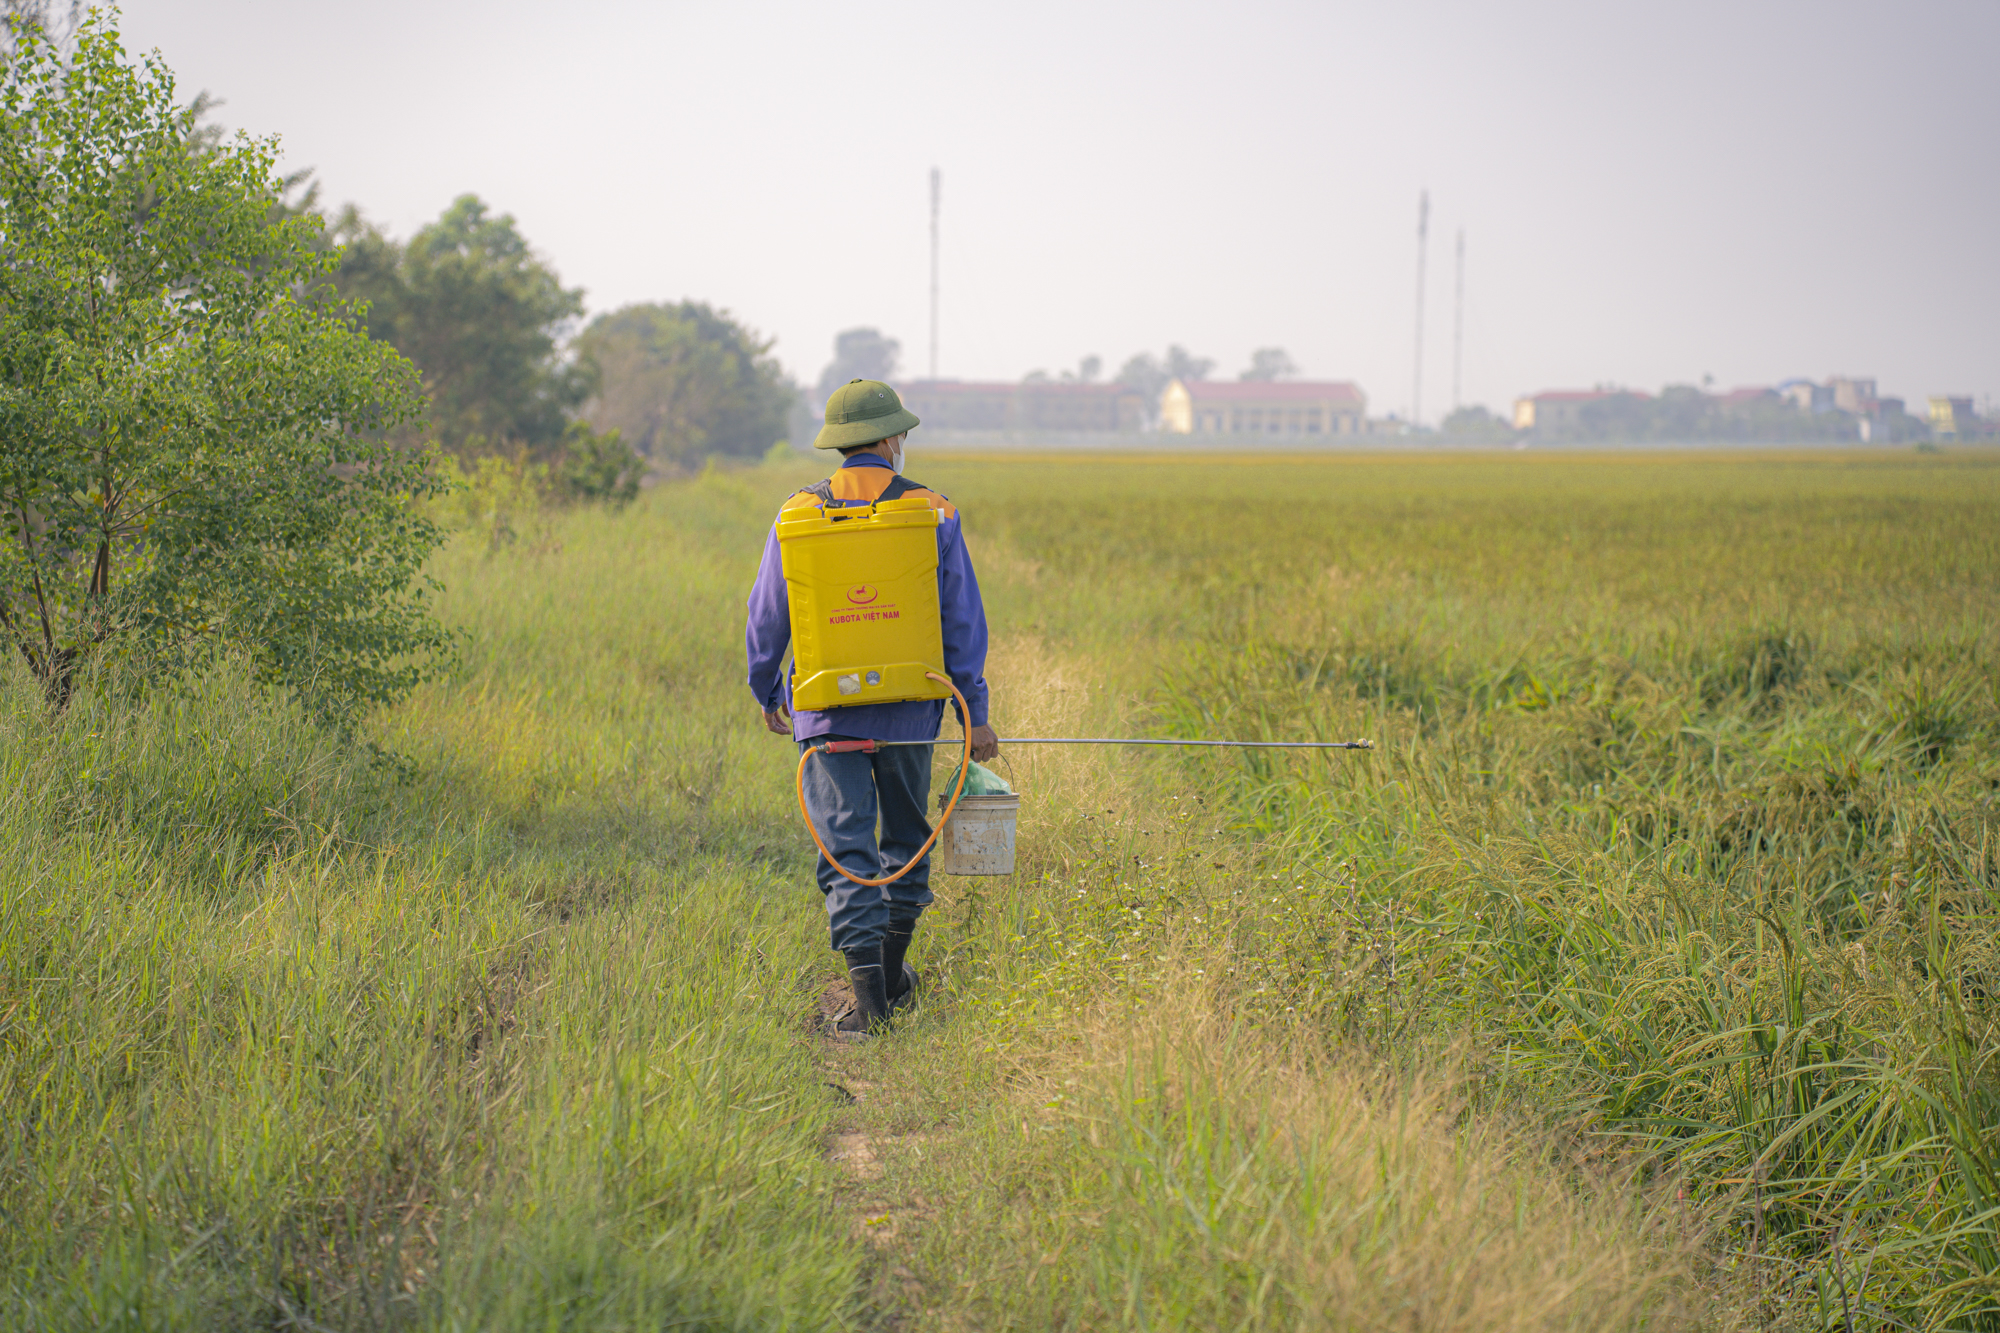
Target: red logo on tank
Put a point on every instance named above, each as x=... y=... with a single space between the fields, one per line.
x=862 y=594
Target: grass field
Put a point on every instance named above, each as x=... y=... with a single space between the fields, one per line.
x=1645 y=976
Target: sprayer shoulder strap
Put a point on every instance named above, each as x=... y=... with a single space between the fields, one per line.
x=898 y=487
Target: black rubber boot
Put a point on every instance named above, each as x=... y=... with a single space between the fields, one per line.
x=902 y=978
x=871 y=997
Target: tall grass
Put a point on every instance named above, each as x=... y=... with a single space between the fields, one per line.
x=287 y=1038
x=1643 y=976
x=1157 y=1162
x=1685 y=813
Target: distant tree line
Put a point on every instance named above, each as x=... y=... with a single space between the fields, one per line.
x=492 y=330
x=1476 y=425
x=858 y=354
x=1682 y=414
x=220 y=411
x=223 y=416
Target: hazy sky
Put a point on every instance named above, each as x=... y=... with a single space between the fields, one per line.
x=1648 y=192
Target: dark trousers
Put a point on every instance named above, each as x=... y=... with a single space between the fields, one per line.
x=846 y=794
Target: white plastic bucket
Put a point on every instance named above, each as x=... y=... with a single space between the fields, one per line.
x=978 y=839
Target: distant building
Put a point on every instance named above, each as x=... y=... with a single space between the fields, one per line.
x=1852 y=394
x=1561 y=409
x=1954 y=419
x=1746 y=400
x=1263 y=407
x=1045 y=405
x=1055 y=405
x=1806 y=396
x=1877 y=420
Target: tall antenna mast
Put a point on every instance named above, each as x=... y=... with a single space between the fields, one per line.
x=1458 y=326
x=934 y=269
x=1417 y=381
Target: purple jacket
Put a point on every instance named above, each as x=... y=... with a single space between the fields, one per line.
x=860 y=480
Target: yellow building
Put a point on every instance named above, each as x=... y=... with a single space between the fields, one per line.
x=1560 y=409
x=1954 y=419
x=1951 y=417
x=1263 y=407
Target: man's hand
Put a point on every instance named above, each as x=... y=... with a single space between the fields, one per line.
x=985 y=743
x=778 y=720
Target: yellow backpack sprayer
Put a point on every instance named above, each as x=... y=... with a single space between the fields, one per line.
x=861 y=584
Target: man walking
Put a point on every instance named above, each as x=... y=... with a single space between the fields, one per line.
x=847 y=793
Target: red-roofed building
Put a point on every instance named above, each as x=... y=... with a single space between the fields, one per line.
x=1263 y=407
x=1740 y=400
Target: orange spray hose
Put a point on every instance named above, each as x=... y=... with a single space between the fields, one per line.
x=964 y=770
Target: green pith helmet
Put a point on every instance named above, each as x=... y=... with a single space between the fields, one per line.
x=862 y=412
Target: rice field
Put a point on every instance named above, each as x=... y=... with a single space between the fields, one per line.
x=1644 y=976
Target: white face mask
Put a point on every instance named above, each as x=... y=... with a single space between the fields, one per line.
x=897 y=461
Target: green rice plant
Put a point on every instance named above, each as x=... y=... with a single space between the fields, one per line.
x=1725 y=898
x=1644 y=972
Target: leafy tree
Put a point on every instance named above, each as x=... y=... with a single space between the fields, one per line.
x=1683 y=412
x=1149 y=375
x=481 y=316
x=193 y=437
x=1475 y=423
x=681 y=382
x=1144 y=373
x=54 y=21
x=599 y=466
x=1269 y=363
x=1616 y=418
x=1087 y=370
x=298 y=192
x=859 y=354
x=1183 y=365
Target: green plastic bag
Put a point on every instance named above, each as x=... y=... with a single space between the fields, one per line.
x=982 y=781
